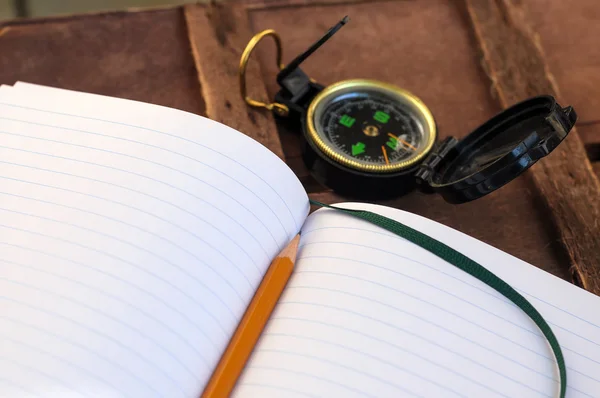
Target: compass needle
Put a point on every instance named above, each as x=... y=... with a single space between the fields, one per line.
x=385 y=156
x=407 y=144
x=402 y=141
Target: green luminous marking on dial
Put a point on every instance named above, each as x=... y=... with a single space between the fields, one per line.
x=347 y=121
x=381 y=117
x=392 y=143
x=358 y=148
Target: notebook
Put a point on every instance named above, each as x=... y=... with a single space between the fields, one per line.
x=133 y=236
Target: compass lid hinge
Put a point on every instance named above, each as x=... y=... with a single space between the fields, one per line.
x=429 y=166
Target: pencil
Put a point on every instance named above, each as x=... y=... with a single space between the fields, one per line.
x=250 y=328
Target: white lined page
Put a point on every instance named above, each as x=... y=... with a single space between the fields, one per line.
x=132 y=237
x=367 y=313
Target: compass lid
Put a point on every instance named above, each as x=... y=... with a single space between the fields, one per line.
x=496 y=152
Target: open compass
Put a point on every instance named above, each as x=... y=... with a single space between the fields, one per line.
x=369 y=139
x=370 y=126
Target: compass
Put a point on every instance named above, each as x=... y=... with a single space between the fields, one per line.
x=371 y=126
x=368 y=139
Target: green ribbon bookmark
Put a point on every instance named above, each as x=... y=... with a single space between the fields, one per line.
x=471 y=267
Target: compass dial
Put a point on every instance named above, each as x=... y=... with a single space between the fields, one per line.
x=371 y=127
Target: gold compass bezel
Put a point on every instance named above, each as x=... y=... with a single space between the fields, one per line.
x=403 y=96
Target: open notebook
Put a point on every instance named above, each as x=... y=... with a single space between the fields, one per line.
x=133 y=236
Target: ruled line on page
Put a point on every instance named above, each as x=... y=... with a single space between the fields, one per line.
x=225 y=280
x=191 y=214
x=387 y=234
x=494 y=294
x=379 y=359
x=196 y=326
x=391 y=364
x=309 y=375
x=128 y=189
x=527 y=329
x=38 y=371
x=565 y=348
x=549 y=358
x=368 y=264
x=408 y=351
x=281 y=361
x=201 y=305
x=297 y=224
x=258 y=219
x=337 y=364
x=117 y=299
x=278 y=388
x=82 y=347
x=10 y=340
x=18 y=386
x=534 y=332
x=195 y=257
x=136 y=266
x=92 y=331
x=366 y=317
x=132 y=328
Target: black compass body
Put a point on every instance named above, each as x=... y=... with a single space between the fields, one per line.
x=367 y=139
x=364 y=138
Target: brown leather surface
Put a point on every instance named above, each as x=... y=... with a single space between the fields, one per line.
x=218 y=34
x=390 y=41
x=141 y=56
x=568 y=32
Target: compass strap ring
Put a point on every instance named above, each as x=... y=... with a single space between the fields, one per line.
x=279 y=108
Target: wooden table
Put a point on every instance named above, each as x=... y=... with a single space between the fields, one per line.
x=466 y=59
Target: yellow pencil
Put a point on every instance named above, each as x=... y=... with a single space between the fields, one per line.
x=250 y=328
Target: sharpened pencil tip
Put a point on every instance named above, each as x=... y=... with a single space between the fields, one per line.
x=291 y=249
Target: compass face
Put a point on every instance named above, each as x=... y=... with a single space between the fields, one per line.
x=373 y=127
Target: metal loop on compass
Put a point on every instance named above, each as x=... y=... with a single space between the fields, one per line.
x=277 y=107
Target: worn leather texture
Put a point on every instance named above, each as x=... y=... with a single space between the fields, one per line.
x=142 y=56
